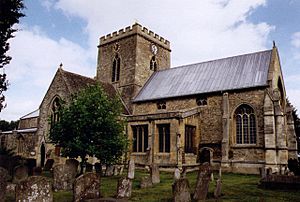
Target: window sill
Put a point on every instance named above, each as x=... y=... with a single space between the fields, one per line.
x=139 y=153
x=238 y=146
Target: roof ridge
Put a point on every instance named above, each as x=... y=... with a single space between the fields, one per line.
x=76 y=74
x=30 y=113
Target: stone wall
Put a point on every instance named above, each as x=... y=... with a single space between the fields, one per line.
x=28 y=123
x=134 y=50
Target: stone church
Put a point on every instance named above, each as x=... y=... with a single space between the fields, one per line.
x=231 y=112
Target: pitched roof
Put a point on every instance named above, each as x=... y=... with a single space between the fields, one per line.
x=238 y=72
x=33 y=114
x=76 y=82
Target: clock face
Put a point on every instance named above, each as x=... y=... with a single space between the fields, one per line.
x=154 y=49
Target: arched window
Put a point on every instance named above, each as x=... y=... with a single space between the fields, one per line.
x=153 y=64
x=56 y=105
x=245 y=125
x=116 y=69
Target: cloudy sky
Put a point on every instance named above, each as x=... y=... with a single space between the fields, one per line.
x=68 y=31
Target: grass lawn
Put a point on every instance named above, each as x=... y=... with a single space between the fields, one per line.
x=235 y=187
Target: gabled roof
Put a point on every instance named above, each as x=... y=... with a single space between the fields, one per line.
x=238 y=72
x=33 y=114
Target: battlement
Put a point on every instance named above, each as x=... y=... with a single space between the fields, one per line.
x=135 y=29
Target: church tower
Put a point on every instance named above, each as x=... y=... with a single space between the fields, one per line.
x=128 y=58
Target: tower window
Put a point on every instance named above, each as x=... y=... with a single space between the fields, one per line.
x=153 y=64
x=245 y=125
x=116 y=69
x=161 y=105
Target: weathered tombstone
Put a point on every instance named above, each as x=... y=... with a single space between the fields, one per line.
x=131 y=167
x=180 y=190
x=34 y=189
x=49 y=164
x=218 y=190
x=72 y=164
x=146 y=182
x=124 y=188
x=262 y=172
x=98 y=168
x=117 y=170
x=89 y=167
x=63 y=177
x=20 y=173
x=176 y=174
x=109 y=170
x=86 y=186
x=202 y=184
x=155 y=174
x=3 y=182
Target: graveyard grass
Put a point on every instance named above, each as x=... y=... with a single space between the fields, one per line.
x=235 y=187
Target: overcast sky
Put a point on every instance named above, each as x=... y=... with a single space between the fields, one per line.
x=68 y=31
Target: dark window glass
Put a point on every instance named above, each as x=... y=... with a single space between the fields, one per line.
x=140 y=138
x=164 y=137
x=189 y=136
x=245 y=125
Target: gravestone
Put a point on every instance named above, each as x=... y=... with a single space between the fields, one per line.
x=176 y=174
x=218 y=189
x=121 y=169
x=204 y=176
x=124 y=188
x=98 y=168
x=20 y=173
x=131 y=167
x=63 y=177
x=3 y=182
x=146 y=182
x=72 y=164
x=34 y=189
x=86 y=186
x=155 y=174
x=109 y=170
x=49 y=164
x=181 y=190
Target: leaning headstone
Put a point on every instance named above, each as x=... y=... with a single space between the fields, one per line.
x=131 y=167
x=86 y=186
x=146 y=182
x=49 y=164
x=3 y=182
x=109 y=170
x=155 y=174
x=124 y=188
x=72 y=164
x=63 y=177
x=180 y=190
x=20 y=173
x=204 y=176
x=218 y=190
x=34 y=189
x=176 y=174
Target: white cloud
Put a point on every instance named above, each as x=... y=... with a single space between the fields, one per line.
x=36 y=58
x=296 y=40
x=197 y=30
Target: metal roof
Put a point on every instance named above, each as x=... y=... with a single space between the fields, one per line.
x=238 y=72
x=27 y=130
x=33 y=114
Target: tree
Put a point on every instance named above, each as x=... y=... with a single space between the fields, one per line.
x=90 y=125
x=10 y=12
x=7 y=126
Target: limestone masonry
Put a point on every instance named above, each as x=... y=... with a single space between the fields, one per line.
x=231 y=112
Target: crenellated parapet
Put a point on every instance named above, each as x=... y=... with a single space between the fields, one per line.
x=135 y=29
